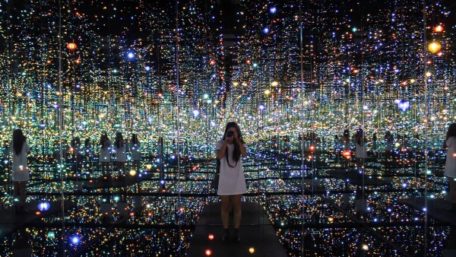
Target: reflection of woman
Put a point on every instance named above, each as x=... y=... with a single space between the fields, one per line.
x=450 y=164
x=232 y=180
x=121 y=152
x=360 y=145
x=20 y=169
x=105 y=153
x=135 y=151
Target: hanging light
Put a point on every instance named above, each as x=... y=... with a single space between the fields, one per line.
x=438 y=28
x=72 y=46
x=434 y=47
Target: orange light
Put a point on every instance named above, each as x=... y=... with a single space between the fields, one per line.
x=438 y=28
x=312 y=148
x=208 y=252
x=71 y=46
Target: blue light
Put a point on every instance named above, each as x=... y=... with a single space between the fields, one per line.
x=403 y=105
x=147 y=68
x=44 y=206
x=131 y=55
x=75 y=239
x=196 y=113
x=265 y=30
x=273 y=9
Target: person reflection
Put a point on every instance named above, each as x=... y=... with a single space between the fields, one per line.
x=450 y=164
x=232 y=184
x=21 y=174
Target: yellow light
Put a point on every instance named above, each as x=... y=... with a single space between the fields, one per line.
x=267 y=92
x=434 y=47
x=412 y=81
x=365 y=247
x=274 y=83
x=428 y=74
x=132 y=173
x=149 y=166
x=235 y=83
x=251 y=250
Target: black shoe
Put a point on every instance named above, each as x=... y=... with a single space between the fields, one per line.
x=225 y=235
x=453 y=207
x=237 y=236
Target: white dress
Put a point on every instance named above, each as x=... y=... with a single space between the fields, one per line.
x=232 y=179
x=121 y=153
x=105 y=152
x=20 y=167
x=450 y=164
x=360 y=151
x=135 y=153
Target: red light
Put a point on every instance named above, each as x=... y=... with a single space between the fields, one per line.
x=346 y=154
x=211 y=237
x=208 y=252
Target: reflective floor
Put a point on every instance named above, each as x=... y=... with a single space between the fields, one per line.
x=326 y=205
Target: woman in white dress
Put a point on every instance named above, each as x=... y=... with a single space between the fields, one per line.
x=21 y=174
x=120 y=149
x=105 y=153
x=360 y=146
x=232 y=184
x=450 y=164
x=135 y=147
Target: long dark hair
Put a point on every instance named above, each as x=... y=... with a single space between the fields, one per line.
x=18 y=141
x=119 y=140
x=104 y=140
x=134 y=139
x=359 y=136
x=237 y=149
x=451 y=131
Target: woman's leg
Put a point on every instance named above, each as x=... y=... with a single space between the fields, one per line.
x=22 y=193
x=225 y=211
x=452 y=193
x=236 y=201
x=16 y=191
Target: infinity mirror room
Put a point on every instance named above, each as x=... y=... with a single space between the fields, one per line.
x=299 y=128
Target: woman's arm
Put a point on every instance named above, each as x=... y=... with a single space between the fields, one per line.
x=222 y=151
x=241 y=147
x=243 y=150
